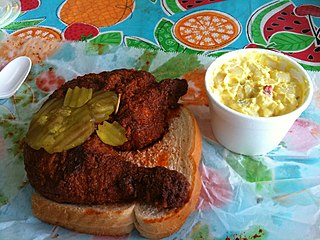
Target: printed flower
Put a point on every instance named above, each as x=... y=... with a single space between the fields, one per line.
x=49 y=81
x=216 y=190
x=304 y=129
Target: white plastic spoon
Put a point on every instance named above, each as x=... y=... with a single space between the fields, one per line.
x=9 y=11
x=13 y=75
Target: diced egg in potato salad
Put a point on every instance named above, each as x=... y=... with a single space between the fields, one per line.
x=261 y=85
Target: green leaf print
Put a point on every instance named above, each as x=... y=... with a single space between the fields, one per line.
x=23 y=24
x=164 y=36
x=192 y=51
x=96 y=49
x=290 y=42
x=200 y=232
x=177 y=66
x=112 y=38
x=103 y=42
x=23 y=97
x=3 y=199
x=140 y=43
x=14 y=132
x=14 y=120
x=217 y=53
x=145 y=60
x=249 y=168
x=253 y=233
x=11 y=162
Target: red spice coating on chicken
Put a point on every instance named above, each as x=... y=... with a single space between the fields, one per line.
x=95 y=173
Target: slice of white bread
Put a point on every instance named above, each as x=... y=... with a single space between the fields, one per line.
x=180 y=149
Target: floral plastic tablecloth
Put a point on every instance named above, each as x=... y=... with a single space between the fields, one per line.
x=272 y=196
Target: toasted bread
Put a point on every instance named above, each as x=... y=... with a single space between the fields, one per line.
x=183 y=144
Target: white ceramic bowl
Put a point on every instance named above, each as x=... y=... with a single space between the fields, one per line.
x=246 y=134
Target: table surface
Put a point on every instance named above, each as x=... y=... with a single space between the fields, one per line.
x=272 y=196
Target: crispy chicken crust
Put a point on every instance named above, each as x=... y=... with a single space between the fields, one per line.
x=95 y=173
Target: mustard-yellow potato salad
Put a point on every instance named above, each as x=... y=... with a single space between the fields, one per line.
x=259 y=85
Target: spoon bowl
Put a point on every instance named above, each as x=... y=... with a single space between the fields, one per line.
x=9 y=11
x=13 y=75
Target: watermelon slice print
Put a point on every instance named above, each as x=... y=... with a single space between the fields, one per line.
x=175 y=6
x=282 y=26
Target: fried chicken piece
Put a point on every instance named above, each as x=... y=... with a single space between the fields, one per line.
x=125 y=81
x=144 y=104
x=94 y=173
x=144 y=115
x=128 y=82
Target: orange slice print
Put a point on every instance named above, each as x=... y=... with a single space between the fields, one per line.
x=38 y=32
x=101 y=13
x=207 y=30
x=38 y=43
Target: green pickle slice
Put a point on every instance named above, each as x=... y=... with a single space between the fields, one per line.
x=62 y=124
x=38 y=128
x=77 y=97
x=74 y=131
x=112 y=133
x=102 y=104
x=60 y=128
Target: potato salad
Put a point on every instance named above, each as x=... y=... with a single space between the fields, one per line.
x=260 y=85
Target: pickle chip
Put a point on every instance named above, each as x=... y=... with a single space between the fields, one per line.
x=102 y=104
x=112 y=133
x=57 y=128
x=77 y=97
x=62 y=124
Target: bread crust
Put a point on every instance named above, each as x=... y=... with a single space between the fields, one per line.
x=112 y=220
x=121 y=219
